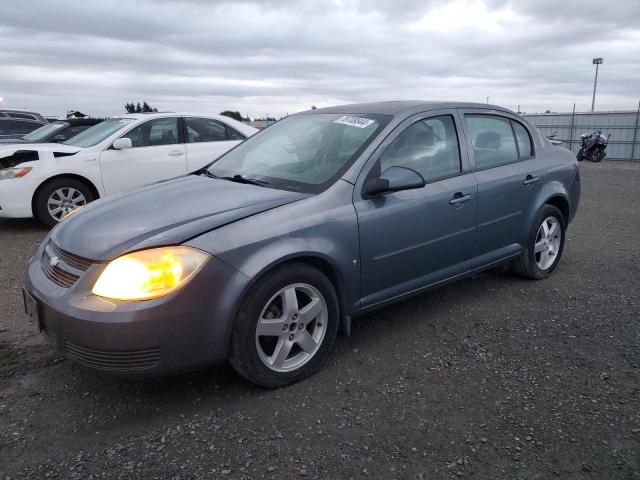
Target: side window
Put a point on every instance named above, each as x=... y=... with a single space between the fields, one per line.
x=204 y=130
x=161 y=131
x=233 y=134
x=523 y=138
x=18 y=127
x=429 y=146
x=493 y=140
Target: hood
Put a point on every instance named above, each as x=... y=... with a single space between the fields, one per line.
x=7 y=150
x=165 y=213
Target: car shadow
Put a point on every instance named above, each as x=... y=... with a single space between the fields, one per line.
x=220 y=385
x=22 y=225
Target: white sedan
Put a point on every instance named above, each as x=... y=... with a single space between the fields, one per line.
x=50 y=180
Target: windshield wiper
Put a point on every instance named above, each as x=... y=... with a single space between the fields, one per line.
x=240 y=179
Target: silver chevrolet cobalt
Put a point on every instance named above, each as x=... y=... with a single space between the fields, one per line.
x=263 y=257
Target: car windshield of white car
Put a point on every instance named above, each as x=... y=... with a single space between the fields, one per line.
x=94 y=135
x=303 y=152
x=43 y=133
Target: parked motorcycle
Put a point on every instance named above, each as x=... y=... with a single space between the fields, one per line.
x=593 y=146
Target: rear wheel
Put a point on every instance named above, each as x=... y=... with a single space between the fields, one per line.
x=545 y=245
x=59 y=197
x=286 y=326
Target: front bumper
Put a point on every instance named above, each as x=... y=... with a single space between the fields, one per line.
x=187 y=329
x=16 y=195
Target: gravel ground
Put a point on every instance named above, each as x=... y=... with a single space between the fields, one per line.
x=493 y=377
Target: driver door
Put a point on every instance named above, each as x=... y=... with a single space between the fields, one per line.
x=415 y=238
x=157 y=153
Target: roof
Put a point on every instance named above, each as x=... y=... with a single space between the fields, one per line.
x=79 y=121
x=396 y=106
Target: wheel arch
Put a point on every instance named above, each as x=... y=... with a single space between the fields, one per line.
x=323 y=264
x=561 y=203
x=80 y=178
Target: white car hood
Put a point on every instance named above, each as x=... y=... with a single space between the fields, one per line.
x=10 y=149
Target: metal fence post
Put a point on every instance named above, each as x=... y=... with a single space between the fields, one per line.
x=573 y=116
x=635 y=133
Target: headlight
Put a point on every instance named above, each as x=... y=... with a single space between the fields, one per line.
x=6 y=173
x=149 y=273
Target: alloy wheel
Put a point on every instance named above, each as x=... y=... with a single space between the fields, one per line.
x=64 y=200
x=291 y=327
x=547 y=244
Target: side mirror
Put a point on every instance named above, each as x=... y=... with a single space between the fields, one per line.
x=58 y=138
x=122 y=143
x=393 y=179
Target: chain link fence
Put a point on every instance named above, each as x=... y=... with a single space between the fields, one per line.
x=623 y=126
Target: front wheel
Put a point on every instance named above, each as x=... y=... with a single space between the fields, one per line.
x=545 y=245
x=580 y=155
x=285 y=327
x=58 y=197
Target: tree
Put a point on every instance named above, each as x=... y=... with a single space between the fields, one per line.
x=313 y=107
x=235 y=115
x=137 y=108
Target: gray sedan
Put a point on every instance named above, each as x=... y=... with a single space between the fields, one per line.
x=263 y=257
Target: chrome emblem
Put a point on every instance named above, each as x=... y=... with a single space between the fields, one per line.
x=53 y=261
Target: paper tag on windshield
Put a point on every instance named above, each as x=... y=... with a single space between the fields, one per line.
x=354 y=121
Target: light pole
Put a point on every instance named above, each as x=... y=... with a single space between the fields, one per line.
x=596 y=62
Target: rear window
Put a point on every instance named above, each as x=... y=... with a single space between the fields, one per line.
x=492 y=139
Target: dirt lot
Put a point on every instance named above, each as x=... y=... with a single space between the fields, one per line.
x=492 y=378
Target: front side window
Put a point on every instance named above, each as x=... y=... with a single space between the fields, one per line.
x=523 y=138
x=493 y=140
x=160 y=131
x=429 y=146
x=96 y=134
x=302 y=152
x=204 y=130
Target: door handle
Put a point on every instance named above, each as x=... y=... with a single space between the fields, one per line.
x=459 y=198
x=175 y=154
x=530 y=180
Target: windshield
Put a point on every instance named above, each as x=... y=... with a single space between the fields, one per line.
x=302 y=152
x=94 y=135
x=43 y=133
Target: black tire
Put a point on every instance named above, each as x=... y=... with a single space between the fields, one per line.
x=580 y=155
x=525 y=265
x=41 y=211
x=244 y=356
x=597 y=156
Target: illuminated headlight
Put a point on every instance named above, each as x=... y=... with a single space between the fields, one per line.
x=7 y=173
x=149 y=273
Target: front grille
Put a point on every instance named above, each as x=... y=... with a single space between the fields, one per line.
x=61 y=267
x=70 y=259
x=113 y=360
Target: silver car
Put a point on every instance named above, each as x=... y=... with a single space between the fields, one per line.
x=264 y=256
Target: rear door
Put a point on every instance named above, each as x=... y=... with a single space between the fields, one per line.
x=158 y=153
x=414 y=238
x=207 y=139
x=502 y=155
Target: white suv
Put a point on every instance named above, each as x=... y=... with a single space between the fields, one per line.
x=50 y=180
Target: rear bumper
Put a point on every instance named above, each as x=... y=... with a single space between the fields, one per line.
x=574 y=195
x=183 y=331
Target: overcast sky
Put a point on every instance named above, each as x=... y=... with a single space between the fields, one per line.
x=281 y=56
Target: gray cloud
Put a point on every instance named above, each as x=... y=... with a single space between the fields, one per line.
x=283 y=56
